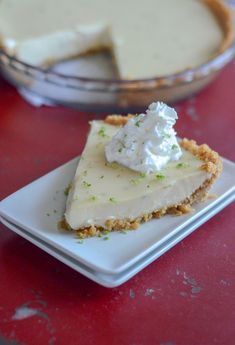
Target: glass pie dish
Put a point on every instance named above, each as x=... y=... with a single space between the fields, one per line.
x=109 y=94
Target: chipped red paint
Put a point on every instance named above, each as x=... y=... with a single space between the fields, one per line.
x=185 y=297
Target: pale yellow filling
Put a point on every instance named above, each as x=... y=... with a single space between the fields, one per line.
x=102 y=191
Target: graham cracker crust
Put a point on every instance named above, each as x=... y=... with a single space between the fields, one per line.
x=211 y=163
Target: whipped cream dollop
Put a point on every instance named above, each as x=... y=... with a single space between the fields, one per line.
x=147 y=142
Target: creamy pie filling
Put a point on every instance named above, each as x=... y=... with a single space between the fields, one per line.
x=147 y=38
x=101 y=191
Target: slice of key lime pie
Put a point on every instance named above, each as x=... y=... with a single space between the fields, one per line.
x=133 y=169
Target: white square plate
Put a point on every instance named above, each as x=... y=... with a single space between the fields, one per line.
x=37 y=208
x=113 y=280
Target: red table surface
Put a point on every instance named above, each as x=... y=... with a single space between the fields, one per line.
x=186 y=297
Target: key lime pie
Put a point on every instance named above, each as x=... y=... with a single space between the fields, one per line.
x=146 y=38
x=134 y=169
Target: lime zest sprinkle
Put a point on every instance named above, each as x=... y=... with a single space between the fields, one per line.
x=120 y=150
x=106 y=238
x=112 y=165
x=174 y=147
x=135 y=181
x=112 y=199
x=103 y=233
x=67 y=189
x=102 y=133
x=93 y=198
x=81 y=241
x=138 y=123
x=86 y=184
x=182 y=165
x=142 y=175
x=160 y=176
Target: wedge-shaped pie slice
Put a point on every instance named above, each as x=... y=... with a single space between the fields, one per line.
x=109 y=196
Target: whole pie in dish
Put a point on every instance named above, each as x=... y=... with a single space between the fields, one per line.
x=146 y=39
x=111 y=196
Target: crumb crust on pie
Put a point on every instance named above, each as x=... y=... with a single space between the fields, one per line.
x=211 y=163
x=225 y=18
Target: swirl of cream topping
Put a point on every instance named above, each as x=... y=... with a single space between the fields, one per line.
x=147 y=142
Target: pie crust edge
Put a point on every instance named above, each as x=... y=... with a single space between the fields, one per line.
x=211 y=163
